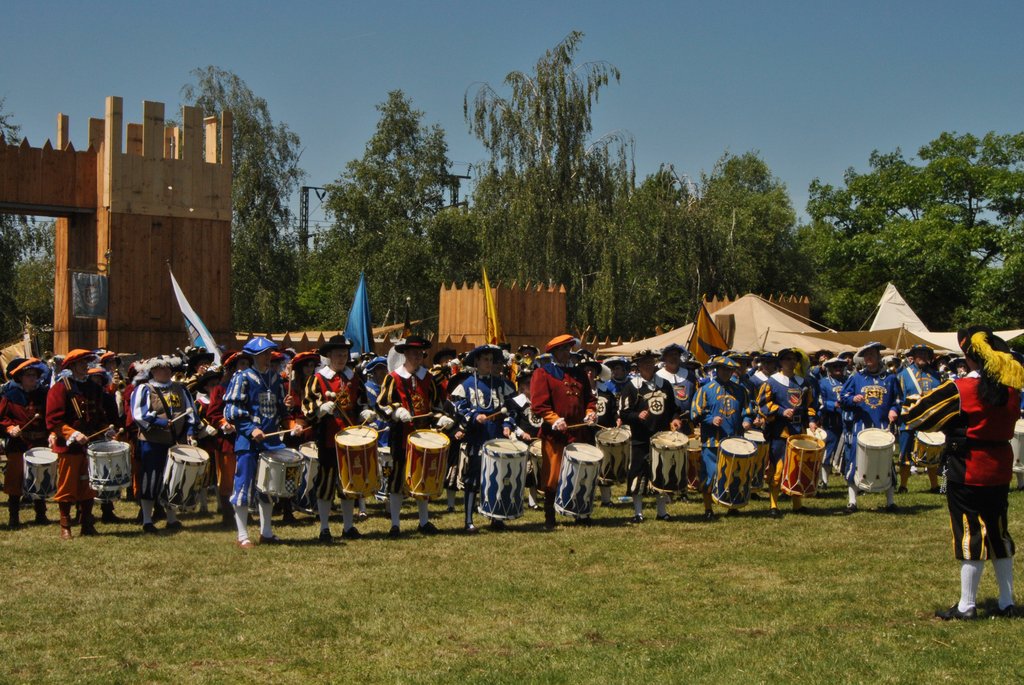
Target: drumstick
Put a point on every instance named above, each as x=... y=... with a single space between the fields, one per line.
x=422 y=416
x=187 y=412
x=275 y=434
x=100 y=432
x=503 y=412
x=28 y=423
x=581 y=425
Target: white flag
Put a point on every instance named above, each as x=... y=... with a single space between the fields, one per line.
x=198 y=333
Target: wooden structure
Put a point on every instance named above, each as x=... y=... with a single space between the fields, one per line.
x=131 y=203
x=529 y=314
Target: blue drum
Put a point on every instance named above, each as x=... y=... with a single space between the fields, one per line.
x=305 y=496
x=502 y=478
x=737 y=462
x=581 y=465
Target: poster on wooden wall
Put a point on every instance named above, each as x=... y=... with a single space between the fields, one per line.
x=88 y=295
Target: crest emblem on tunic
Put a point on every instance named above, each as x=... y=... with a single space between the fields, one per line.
x=602 y=405
x=681 y=392
x=796 y=396
x=656 y=403
x=268 y=405
x=534 y=420
x=728 y=407
x=874 y=396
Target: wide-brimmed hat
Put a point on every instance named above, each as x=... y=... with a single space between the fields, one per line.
x=560 y=341
x=258 y=345
x=307 y=356
x=870 y=346
x=413 y=342
x=723 y=361
x=496 y=353
x=336 y=342
x=20 y=365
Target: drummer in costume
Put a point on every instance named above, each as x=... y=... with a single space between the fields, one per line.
x=609 y=392
x=334 y=399
x=870 y=395
x=723 y=409
x=409 y=399
x=484 y=404
x=224 y=453
x=22 y=418
x=254 y=405
x=527 y=429
x=300 y=367
x=165 y=415
x=913 y=381
x=830 y=412
x=76 y=408
x=205 y=431
x=560 y=395
x=682 y=377
x=977 y=413
x=786 y=401
x=647 y=407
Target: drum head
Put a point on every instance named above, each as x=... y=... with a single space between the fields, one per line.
x=740 y=447
x=612 y=436
x=188 y=454
x=933 y=439
x=356 y=436
x=875 y=437
x=756 y=437
x=582 y=452
x=106 y=447
x=1018 y=429
x=669 y=439
x=504 y=447
x=693 y=443
x=284 y=456
x=535 y=448
x=309 y=450
x=427 y=439
x=40 y=455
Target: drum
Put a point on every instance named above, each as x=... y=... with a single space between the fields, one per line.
x=279 y=473
x=110 y=466
x=385 y=465
x=426 y=458
x=40 y=479
x=757 y=437
x=928 y=449
x=305 y=496
x=820 y=434
x=693 y=464
x=502 y=478
x=581 y=464
x=737 y=462
x=873 y=469
x=461 y=467
x=668 y=461
x=533 y=459
x=614 y=445
x=357 y=461
x=1018 y=447
x=802 y=464
x=184 y=476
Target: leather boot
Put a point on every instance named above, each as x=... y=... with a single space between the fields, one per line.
x=227 y=513
x=107 y=514
x=14 y=509
x=65 y=520
x=40 y=506
x=549 y=511
x=88 y=520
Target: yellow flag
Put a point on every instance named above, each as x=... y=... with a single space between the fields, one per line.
x=706 y=341
x=494 y=334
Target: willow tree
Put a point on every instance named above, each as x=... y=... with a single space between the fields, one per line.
x=548 y=192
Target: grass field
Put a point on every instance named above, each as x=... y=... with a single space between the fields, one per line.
x=818 y=599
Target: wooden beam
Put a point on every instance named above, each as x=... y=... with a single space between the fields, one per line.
x=133 y=141
x=63 y=136
x=210 y=123
x=152 y=130
x=111 y=146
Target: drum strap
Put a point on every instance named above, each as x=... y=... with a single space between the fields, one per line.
x=175 y=434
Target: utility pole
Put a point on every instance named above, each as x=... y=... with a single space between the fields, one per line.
x=454 y=184
x=321 y=193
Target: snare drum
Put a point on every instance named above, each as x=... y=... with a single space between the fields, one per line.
x=873 y=468
x=357 y=461
x=761 y=458
x=928 y=449
x=385 y=465
x=502 y=478
x=533 y=462
x=305 y=496
x=693 y=456
x=40 y=477
x=184 y=476
x=1018 y=447
x=615 y=446
x=737 y=462
x=581 y=464
x=802 y=465
x=110 y=466
x=279 y=473
x=426 y=458
x=668 y=461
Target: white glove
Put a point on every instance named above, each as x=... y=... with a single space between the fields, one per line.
x=445 y=422
x=560 y=425
x=296 y=431
x=192 y=441
x=110 y=434
x=77 y=437
x=209 y=431
x=521 y=434
x=402 y=414
x=367 y=415
x=326 y=409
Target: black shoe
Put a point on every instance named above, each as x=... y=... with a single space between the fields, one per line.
x=271 y=540
x=901 y=490
x=1008 y=612
x=449 y=510
x=891 y=508
x=149 y=528
x=850 y=509
x=535 y=506
x=774 y=513
x=428 y=528
x=173 y=527
x=497 y=524
x=470 y=529
x=394 y=532
x=709 y=515
x=325 y=537
x=953 y=613
x=351 y=534
x=638 y=518
x=362 y=516
x=802 y=511
x=937 y=490
x=732 y=512
x=585 y=522
x=665 y=517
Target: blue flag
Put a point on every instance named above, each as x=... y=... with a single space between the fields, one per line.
x=359 y=329
x=198 y=334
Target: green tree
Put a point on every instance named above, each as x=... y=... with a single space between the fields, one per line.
x=389 y=221
x=265 y=162
x=945 y=231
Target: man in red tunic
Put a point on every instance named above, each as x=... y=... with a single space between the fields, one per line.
x=560 y=395
x=22 y=406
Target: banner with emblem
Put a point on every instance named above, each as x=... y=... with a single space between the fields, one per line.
x=88 y=295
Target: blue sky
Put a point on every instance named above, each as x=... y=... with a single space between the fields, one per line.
x=814 y=87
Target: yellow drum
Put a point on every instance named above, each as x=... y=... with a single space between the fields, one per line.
x=693 y=464
x=357 y=461
x=426 y=460
x=804 y=454
x=928 y=449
